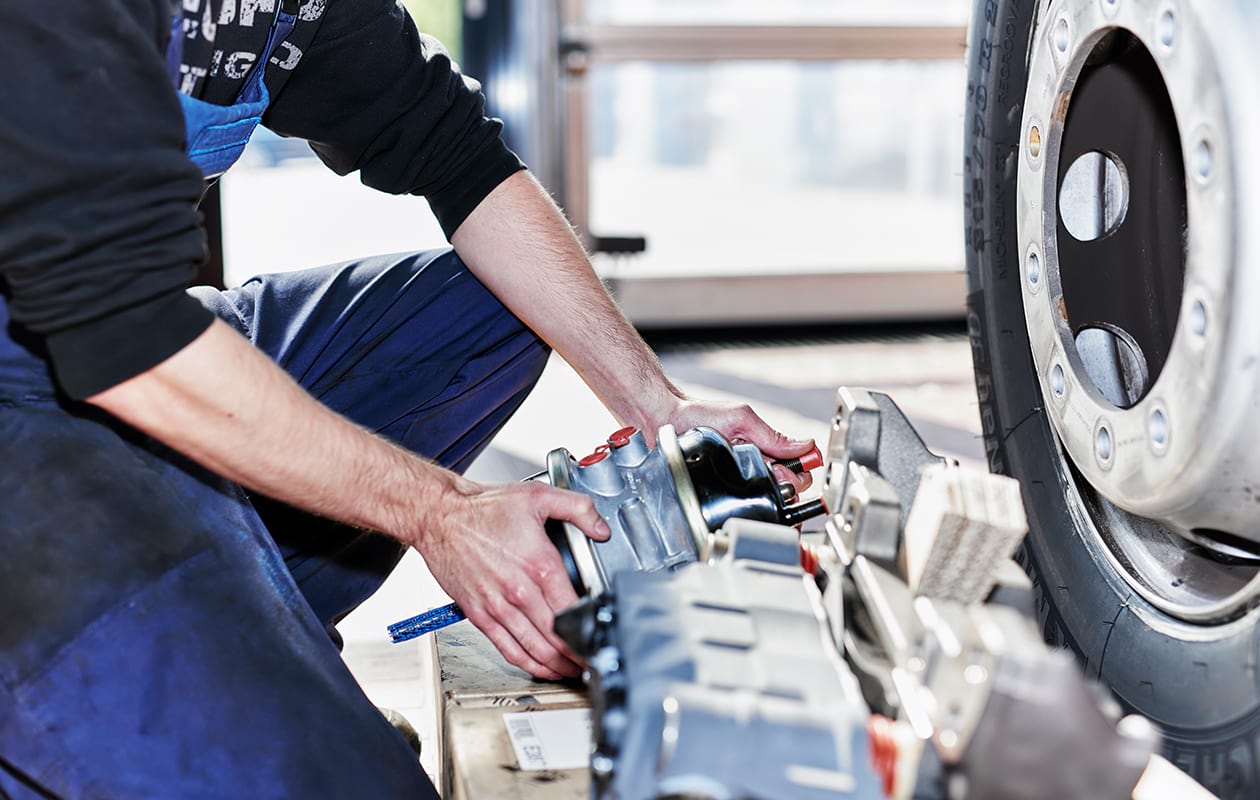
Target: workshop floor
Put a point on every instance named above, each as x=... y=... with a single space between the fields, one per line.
x=790 y=378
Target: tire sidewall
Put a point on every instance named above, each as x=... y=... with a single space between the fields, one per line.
x=1198 y=682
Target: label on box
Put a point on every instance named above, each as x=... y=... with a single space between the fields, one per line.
x=558 y=739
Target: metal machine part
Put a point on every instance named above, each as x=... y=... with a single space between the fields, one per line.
x=1000 y=710
x=747 y=675
x=1137 y=278
x=869 y=430
x=716 y=680
x=1003 y=713
x=663 y=504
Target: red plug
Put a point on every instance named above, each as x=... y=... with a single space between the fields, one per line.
x=806 y=463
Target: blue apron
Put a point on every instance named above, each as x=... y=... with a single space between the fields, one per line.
x=216 y=135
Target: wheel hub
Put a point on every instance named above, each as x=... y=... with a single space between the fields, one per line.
x=1134 y=292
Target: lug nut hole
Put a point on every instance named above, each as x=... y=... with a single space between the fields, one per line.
x=1157 y=427
x=1167 y=28
x=1102 y=444
x=1203 y=159
x=1198 y=318
x=1034 y=270
x=1062 y=35
x=1058 y=385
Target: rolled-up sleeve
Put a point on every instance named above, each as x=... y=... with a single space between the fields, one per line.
x=99 y=234
x=373 y=95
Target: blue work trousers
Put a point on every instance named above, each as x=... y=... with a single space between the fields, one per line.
x=164 y=635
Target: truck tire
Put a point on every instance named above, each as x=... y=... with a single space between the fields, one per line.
x=1134 y=628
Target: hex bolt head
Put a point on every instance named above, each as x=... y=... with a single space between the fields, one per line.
x=1058 y=385
x=1062 y=35
x=1102 y=444
x=1166 y=30
x=1157 y=428
x=601 y=764
x=975 y=674
x=1033 y=269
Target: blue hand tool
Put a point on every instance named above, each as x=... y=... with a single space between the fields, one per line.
x=427 y=622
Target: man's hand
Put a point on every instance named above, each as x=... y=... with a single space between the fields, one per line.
x=226 y=405
x=740 y=424
x=490 y=553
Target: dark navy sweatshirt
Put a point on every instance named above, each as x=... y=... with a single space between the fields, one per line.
x=99 y=232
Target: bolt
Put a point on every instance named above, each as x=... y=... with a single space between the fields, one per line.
x=601 y=764
x=1034 y=141
x=1057 y=383
x=577 y=61
x=1102 y=444
x=1167 y=28
x=1138 y=728
x=1157 y=427
x=1198 y=318
x=1203 y=159
x=1062 y=36
x=1034 y=270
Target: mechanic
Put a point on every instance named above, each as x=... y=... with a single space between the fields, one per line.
x=196 y=485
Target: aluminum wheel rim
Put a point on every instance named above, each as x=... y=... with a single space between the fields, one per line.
x=1138 y=468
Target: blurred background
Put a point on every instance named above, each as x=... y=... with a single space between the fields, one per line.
x=729 y=162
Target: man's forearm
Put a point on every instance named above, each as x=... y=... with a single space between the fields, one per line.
x=521 y=247
x=226 y=405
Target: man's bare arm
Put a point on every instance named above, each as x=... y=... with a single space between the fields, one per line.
x=226 y=405
x=521 y=247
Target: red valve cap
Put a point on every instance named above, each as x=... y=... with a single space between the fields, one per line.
x=621 y=438
x=599 y=455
